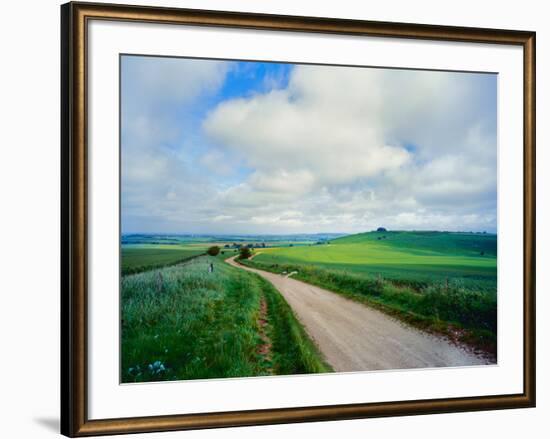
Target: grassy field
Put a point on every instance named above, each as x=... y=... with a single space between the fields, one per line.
x=440 y=281
x=184 y=322
x=137 y=258
x=419 y=258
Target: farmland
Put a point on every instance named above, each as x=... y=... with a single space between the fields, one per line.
x=402 y=256
x=180 y=320
x=143 y=252
x=445 y=282
x=136 y=258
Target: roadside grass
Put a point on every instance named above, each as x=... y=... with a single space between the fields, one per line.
x=140 y=258
x=447 y=308
x=184 y=322
x=416 y=267
x=294 y=352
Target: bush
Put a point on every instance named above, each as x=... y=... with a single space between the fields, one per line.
x=454 y=303
x=213 y=251
x=245 y=253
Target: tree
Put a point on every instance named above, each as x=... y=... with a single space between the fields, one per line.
x=245 y=253
x=213 y=251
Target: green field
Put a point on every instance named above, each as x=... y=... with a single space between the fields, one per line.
x=184 y=322
x=180 y=321
x=417 y=257
x=436 y=280
x=137 y=258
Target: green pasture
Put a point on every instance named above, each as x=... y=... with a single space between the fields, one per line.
x=434 y=280
x=454 y=243
x=136 y=258
x=414 y=256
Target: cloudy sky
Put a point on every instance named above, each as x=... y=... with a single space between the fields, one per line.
x=247 y=147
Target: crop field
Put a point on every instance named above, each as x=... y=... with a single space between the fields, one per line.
x=431 y=279
x=136 y=258
x=414 y=256
x=187 y=322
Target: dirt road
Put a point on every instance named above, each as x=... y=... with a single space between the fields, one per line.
x=355 y=337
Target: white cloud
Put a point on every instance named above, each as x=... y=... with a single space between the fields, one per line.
x=325 y=123
x=156 y=80
x=337 y=149
x=356 y=147
x=159 y=181
x=283 y=181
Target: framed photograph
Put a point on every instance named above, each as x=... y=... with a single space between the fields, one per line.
x=271 y=219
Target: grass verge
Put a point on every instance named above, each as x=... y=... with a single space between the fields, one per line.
x=294 y=352
x=448 y=308
x=184 y=322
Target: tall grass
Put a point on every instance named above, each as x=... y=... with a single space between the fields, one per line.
x=432 y=306
x=184 y=322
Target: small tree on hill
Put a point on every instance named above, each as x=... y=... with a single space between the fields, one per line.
x=245 y=253
x=213 y=251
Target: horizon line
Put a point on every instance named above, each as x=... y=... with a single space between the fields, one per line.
x=481 y=232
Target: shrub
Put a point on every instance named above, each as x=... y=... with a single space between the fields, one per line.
x=454 y=303
x=245 y=253
x=213 y=251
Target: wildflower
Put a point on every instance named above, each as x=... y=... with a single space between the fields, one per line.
x=157 y=367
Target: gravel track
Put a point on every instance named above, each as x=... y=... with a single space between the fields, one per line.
x=355 y=337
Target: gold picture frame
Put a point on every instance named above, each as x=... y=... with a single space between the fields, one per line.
x=74 y=190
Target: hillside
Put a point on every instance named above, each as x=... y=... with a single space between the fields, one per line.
x=435 y=280
x=455 y=243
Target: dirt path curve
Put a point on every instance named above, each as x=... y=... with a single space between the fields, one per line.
x=355 y=337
